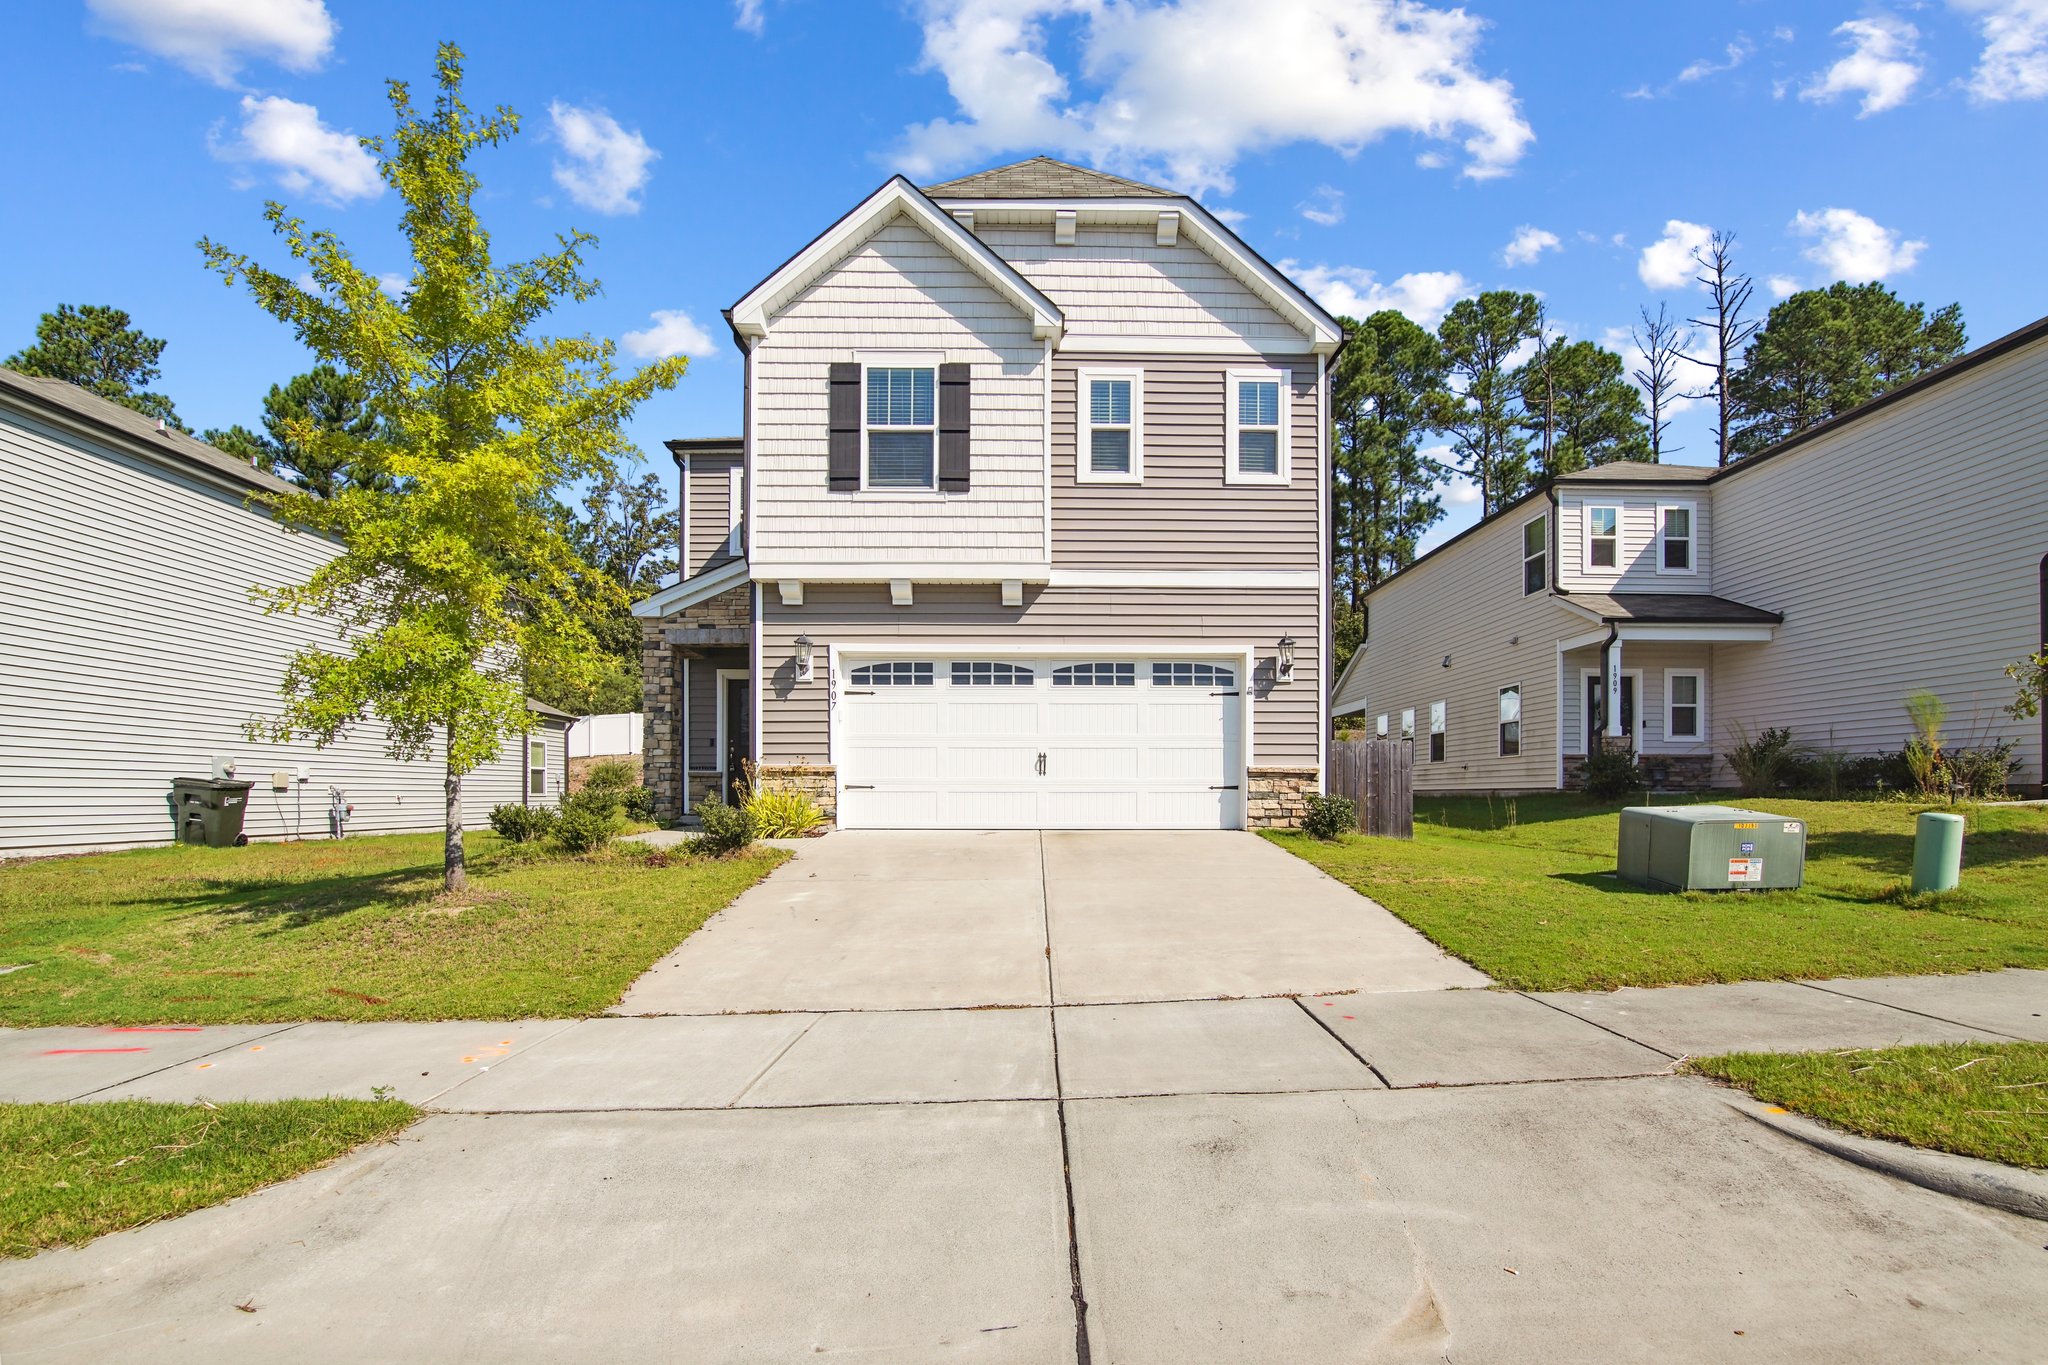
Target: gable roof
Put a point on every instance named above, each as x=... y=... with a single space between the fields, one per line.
x=132 y=431
x=749 y=318
x=1044 y=178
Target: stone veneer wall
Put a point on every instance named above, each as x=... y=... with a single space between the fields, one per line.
x=817 y=781
x=1661 y=772
x=661 y=693
x=1278 y=797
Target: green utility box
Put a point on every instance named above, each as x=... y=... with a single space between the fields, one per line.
x=1711 y=848
x=209 y=810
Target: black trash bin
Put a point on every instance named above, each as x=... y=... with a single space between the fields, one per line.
x=209 y=810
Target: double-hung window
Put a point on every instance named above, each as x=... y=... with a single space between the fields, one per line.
x=1112 y=444
x=1510 y=721
x=1675 y=538
x=1685 y=704
x=1436 y=732
x=1535 y=555
x=1256 y=409
x=536 y=768
x=1603 y=537
x=1408 y=724
x=902 y=426
x=1379 y=726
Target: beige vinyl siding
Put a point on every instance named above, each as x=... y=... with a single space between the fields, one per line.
x=1118 y=281
x=899 y=291
x=1638 y=558
x=1651 y=660
x=1184 y=515
x=134 y=656
x=1904 y=551
x=794 y=716
x=710 y=482
x=1467 y=603
x=703 y=714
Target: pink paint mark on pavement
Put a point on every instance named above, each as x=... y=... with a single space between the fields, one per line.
x=74 y=1051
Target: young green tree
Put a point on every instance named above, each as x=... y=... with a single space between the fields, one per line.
x=325 y=400
x=627 y=532
x=1576 y=398
x=95 y=348
x=454 y=579
x=1821 y=352
x=1381 y=393
x=1480 y=409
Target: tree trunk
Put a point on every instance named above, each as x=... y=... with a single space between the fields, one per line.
x=454 y=872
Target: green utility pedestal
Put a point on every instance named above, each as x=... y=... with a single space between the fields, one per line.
x=1937 y=851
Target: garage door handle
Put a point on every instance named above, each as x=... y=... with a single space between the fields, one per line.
x=1041 y=765
x=1231 y=788
x=1223 y=694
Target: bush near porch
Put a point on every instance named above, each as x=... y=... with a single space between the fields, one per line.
x=1523 y=889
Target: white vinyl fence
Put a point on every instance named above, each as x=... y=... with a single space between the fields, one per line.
x=620 y=733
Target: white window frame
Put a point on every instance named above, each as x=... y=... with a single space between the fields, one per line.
x=1085 y=427
x=1522 y=557
x=1670 y=736
x=1380 y=725
x=1408 y=724
x=735 y=505
x=1439 y=724
x=1692 y=542
x=900 y=360
x=536 y=768
x=1231 y=473
x=1499 y=726
x=1642 y=717
x=1587 y=550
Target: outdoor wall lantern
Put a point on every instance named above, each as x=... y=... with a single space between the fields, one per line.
x=803 y=658
x=1286 y=656
x=1447 y=661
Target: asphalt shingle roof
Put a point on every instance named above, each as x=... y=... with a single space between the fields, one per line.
x=1043 y=178
x=1685 y=608
x=1634 y=471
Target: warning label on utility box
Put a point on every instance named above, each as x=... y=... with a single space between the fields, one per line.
x=1745 y=869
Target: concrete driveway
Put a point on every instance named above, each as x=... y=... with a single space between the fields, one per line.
x=902 y=920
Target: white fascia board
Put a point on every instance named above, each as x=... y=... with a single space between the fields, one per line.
x=1340 y=705
x=691 y=591
x=1586 y=641
x=775 y=571
x=1701 y=633
x=1207 y=232
x=751 y=315
x=1184 y=578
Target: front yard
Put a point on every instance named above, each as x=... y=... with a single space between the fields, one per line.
x=351 y=930
x=1524 y=890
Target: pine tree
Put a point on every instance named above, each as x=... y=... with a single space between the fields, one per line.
x=1480 y=411
x=95 y=348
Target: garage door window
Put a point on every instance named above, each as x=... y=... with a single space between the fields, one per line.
x=1192 y=675
x=1096 y=675
x=985 y=673
x=899 y=674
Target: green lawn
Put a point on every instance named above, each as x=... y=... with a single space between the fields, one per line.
x=1523 y=889
x=73 y=1172
x=351 y=930
x=1986 y=1100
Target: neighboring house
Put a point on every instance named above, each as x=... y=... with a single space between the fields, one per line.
x=1813 y=586
x=134 y=653
x=1026 y=527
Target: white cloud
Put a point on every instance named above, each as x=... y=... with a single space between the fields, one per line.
x=1883 y=65
x=2014 y=65
x=1230 y=216
x=1324 y=207
x=1422 y=296
x=747 y=16
x=212 y=38
x=1667 y=263
x=306 y=154
x=1458 y=491
x=1170 y=92
x=1529 y=243
x=607 y=165
x=1737 y=52
x=1782 y=286
x=674 y=332
x=1852 y=247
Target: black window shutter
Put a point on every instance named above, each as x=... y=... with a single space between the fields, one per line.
x=955 y=427
x=843 y=422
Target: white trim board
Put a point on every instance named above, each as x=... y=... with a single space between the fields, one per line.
x=885 y=571
x=691 y=591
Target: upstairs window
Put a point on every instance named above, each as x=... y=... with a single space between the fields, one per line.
x=903 y=673
x=1535 y=555
x=1112 y=446
x=1510 y=722
x=1674 y=539
x=1192 y=675
x=902 y=426
x=1257 y=413
x=1096 y=675
x=1436 y=732
x=1603 y=537
x=990 y=673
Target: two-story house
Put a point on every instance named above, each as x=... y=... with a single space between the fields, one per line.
x=1025 y=527
x=1813 y=586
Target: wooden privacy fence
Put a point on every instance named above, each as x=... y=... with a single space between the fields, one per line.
x=1379 y=775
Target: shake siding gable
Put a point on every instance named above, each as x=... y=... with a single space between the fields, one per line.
x=1183 y=516
x=900 y=290
x=1637 y=571
x=1905 y=552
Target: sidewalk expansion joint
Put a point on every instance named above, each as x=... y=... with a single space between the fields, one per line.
x=171 y=1066
x=1907 y=1009
x=1082 y=1350
x=1344 y=1043
x=1602 y=1027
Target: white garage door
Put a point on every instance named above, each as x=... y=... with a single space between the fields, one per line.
x=974 y=742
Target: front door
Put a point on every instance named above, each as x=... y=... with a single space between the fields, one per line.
x=737 y=699
x=1596 y=721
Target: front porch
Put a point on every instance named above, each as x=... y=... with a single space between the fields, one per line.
x=697 y=683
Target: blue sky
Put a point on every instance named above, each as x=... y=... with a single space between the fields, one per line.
x=1391 y=155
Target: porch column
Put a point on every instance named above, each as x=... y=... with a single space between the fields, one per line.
x=1610 y=689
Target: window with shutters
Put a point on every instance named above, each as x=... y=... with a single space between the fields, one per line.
x=901 y=427
x=1111 y=443
x=1256 y=442
x=901 y=673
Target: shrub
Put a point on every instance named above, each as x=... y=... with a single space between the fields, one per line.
x=1764 y=764
x=589 y=821
x=1611 y=772
x=782 y=814
x=637 y=803
x=1329 y=816
x=727 y=829
x=1982 y=772
x=523 y=824
x=614 y=774
x=1925 y=758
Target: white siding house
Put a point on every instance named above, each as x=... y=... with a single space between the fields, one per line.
x=135 y=655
